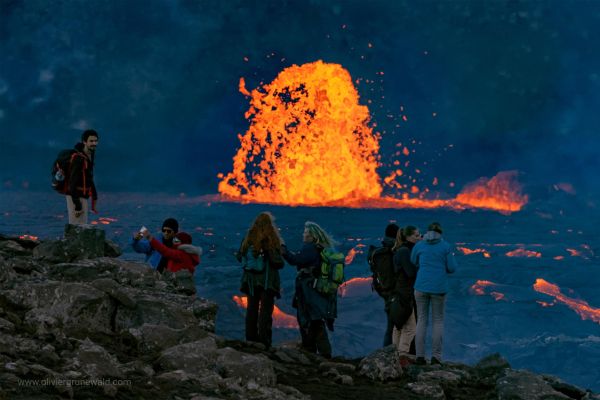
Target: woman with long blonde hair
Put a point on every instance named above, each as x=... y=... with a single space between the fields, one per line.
x=314 y=310
x=260 y=254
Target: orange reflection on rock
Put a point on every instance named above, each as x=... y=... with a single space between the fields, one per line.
x=524 y=253
x=355 y=283
x=467 y=251
x=280 y=319
x=581 y=307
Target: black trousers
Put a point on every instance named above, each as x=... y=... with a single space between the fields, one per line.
x=315 y=339
x=259 y=316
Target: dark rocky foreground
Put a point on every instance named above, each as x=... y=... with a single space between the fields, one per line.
x=77 y=322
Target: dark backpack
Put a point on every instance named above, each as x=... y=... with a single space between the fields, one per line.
x=381 y=262
x=331 y=272
x=61 y=169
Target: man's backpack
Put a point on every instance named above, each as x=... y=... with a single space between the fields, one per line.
x=253 y=264
x=381 y=262
x=61 y=169
x=331 y=273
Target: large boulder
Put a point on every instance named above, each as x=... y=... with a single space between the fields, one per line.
x=77 y=309
x=524 y=385
x=381 y=365
x=232 y=363
x=81 y=242
x=85 y=241
x=193 y=357
x=95 y=361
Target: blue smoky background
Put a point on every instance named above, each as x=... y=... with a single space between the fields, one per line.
x=509 y=84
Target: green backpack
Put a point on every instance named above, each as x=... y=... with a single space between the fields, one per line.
x=332 y=272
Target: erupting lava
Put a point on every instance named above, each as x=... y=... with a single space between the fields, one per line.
x=502 y=193
x=581 y=307
x=466 y=251
x=310 y=142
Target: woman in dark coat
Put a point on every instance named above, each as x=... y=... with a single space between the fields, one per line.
x=314 y=310
x=261 y=246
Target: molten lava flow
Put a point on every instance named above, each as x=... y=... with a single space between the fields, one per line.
x=467 y=251
x=581 y=307
x=104 y=221
x=501 y=193
x=352 y=253
x=280 y=319
x=349 y=286
x=478 y=287
x=523 y=253
x=309 y=142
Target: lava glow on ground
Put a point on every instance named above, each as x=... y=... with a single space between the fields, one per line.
x=311 y=143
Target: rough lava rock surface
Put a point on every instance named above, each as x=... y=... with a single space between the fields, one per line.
x=78 y=323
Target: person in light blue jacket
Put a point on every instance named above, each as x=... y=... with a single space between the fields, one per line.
x=434 y=259
x=169 y=229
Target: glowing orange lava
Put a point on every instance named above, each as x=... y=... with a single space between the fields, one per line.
x=352 y=253
x=309 y=142
x=280 y=319
x=347 y=287
x=523 y=253
x=501 y=193
x=28 y=237
x=478 y=287
x=467 y=251
x=581 y=307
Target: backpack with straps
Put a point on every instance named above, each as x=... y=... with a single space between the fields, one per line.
x=331 y=274
x=253 y=264
x=381 y=262
x=61 y=170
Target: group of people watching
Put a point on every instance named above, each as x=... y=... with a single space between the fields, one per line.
x=409 y=270
x=420 y=265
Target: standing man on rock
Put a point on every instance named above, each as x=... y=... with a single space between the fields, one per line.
x=81 y=179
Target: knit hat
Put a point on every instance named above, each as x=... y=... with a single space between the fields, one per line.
x=171 y=223
x=184 y=237
x=391 y=230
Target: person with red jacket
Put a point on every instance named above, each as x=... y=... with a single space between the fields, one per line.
x=182 y=256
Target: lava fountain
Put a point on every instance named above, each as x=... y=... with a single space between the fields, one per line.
x=309 y=142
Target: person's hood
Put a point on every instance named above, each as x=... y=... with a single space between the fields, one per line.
x=388 y=241
x=432 y=237
x=191 y=249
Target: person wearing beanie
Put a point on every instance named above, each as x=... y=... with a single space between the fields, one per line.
x=183 y=255
x=381 y=262
x=170 y=227
x=434 y=259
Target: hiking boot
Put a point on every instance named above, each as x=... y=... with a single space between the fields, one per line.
x=420 y=361
x=435 y=361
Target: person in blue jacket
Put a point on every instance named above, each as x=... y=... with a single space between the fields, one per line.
x=170 y=228
x=315 y=311
x=434 y=259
